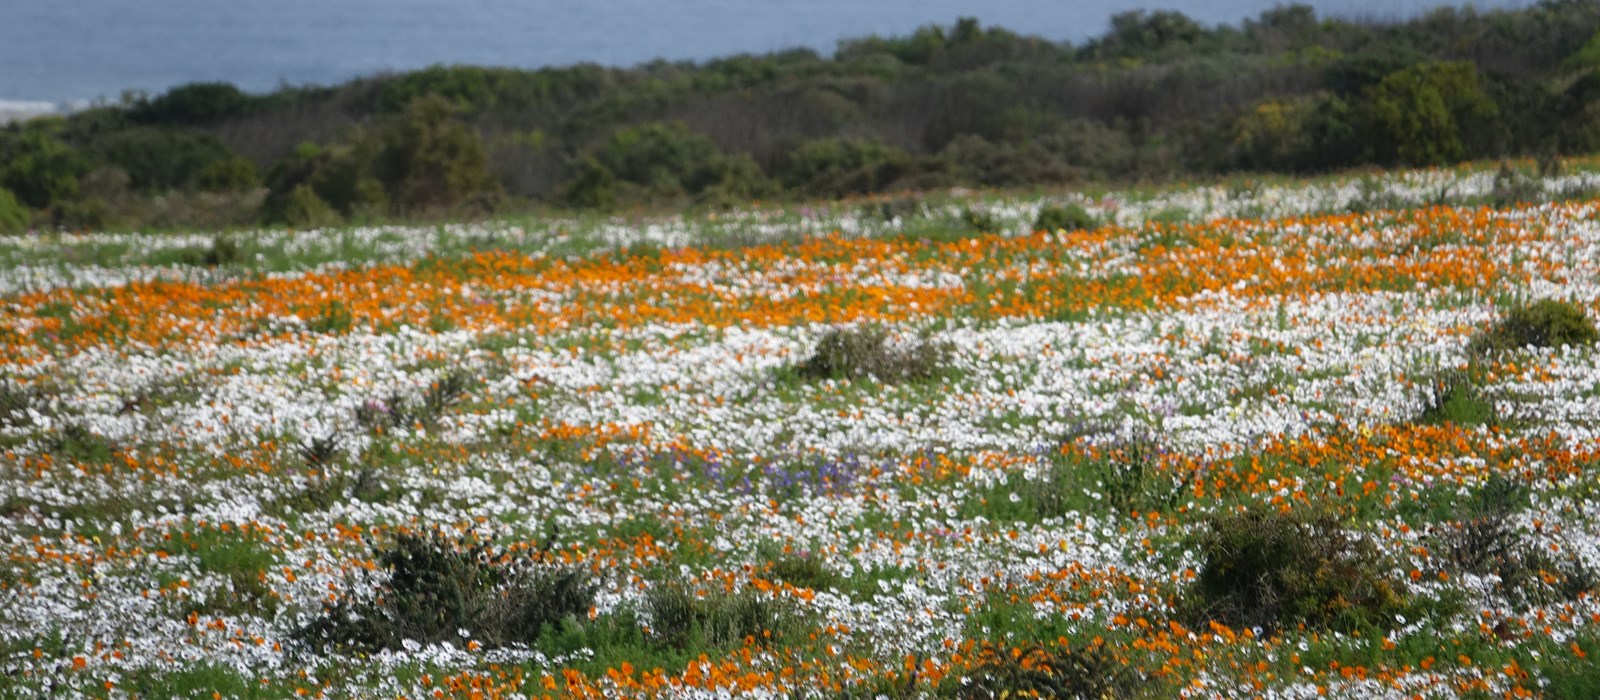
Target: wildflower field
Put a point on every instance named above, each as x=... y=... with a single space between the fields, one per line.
x=1294 y=439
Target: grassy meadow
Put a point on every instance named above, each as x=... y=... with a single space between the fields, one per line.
x=1273 y=438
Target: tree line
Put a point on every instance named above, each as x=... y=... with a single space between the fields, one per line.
x=1157 y=96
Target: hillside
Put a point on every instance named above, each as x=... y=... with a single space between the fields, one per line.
x=1158 y=97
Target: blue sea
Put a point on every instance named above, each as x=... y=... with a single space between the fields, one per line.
x=65 y=52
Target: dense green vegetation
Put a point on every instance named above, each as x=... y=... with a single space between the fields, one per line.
x=1158 y=96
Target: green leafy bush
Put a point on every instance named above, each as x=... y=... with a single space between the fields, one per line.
x=806 y=571
x=865 y=351
x=14 y=217
x=974 y=159
x=1486 y=541
x=659 y=160
x=14 y=404
x=303 y=208
x=1088 y=672
x=438 y=586
x=427 y=160
x=594 y=187
x=1072 y=217
x=835 y=167
x=231 y=174
x=40 y=170
x=316 y=186
x=81 y=214
x=980 y=221
x=157 y=160
x=1429 y=114
x=684 y=617
x=1277 y=570
x=1275 y=134
x=421 y=161
x=1546 y=323
x=193 y=104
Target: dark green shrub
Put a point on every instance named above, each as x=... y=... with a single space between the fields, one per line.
x=317 y=186
x=443 y=394
x=427 y=160
x=320 y=453
x=399 y=411
x=193 y=104
x=975 y=160
x=1275 y=134
x=40 y=170
x=835 y=167
x=665 y=158
x=421 y=161
x=659 y=160
x=14 y=217
x=1143 y=33
x=899 y=208
x=14 y=404
x=439 y=585
x=865 y=351
x=475 y=90
x=1487 y=542
x=224 y=250
x=233 y=174
x=81 y=214
x=682 y=617
x=1072 y=217
x=161 y=159
x=1546 y=323
x=1431 y=113
x=1122 y=477
x=1084 y=673
x=305 y=209
x=594 y=187
x=1277 y=570
x=980 y=221
x=805 y=571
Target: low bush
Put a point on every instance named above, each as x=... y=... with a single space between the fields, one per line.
x=1487 y=542
x=981 y=221
x=865 y=351
x=158 y=160
x=805 y=571
x=193 y=104
x=14 y=217
x=1512 y=187
x=14 y=404
x=40 y=170
x=1087 y=672
x=669 y=160
x=1072 y=217
x=836 y=167
x=684 y=617
x=438 y=586
x=224 y=250
x=398 y=411
x=1546 y=323
x=422 y=161
x=1275 y=570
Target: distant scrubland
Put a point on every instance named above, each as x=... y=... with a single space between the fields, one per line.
x=1157 y=97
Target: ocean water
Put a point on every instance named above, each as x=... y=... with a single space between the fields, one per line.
x=60 y=52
